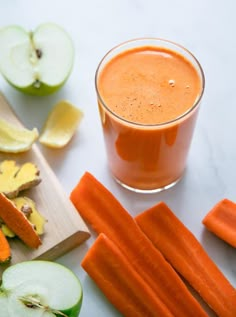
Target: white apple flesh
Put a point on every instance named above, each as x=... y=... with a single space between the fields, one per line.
x=39 y=289
x=3 y=305
x=38 y=62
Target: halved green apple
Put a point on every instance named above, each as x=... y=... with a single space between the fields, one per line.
x=39 y=62
x=40 y=289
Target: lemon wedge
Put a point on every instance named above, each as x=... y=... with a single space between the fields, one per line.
x=14 y=139
x=60 y=125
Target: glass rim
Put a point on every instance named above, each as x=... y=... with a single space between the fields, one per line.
x=141 y=39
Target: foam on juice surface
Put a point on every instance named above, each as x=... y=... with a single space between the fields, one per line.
x=149 y=85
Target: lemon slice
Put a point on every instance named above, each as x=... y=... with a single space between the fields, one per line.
x=15 y=139
x=60 y=125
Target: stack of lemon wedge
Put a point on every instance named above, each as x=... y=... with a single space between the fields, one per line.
x=58 y=130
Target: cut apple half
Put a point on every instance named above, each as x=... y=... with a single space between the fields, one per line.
x=38 y=62
x=40 y=289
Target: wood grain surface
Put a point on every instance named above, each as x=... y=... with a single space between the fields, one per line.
x=64 y=229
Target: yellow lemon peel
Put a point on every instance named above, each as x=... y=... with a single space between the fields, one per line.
x=60 y=125
x=14 y=139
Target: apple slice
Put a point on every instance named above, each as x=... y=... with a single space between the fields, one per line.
x=38 y=62
x=40 y=289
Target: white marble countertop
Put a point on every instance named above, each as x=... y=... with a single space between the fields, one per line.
x=207 y=28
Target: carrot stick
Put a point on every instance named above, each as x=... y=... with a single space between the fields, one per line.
x=187 y=256
x=221 y=220
x=18 y=223
x=106 y=215
x=121 y=284
x=5 y=252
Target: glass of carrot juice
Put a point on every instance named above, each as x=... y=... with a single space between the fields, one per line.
x=149 y=91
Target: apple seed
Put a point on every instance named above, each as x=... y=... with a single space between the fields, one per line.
x=39 y=53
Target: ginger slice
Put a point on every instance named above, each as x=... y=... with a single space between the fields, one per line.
x=7 y=232
x=34 y=217
x=14 y=139
x=28 y=207
x=14 y=178
x=18 y=223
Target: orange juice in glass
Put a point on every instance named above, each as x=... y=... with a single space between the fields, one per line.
x=149 y=92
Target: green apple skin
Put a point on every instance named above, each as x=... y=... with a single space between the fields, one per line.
x=74 y=311
x=43 y=88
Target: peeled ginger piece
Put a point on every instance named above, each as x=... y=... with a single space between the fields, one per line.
x=14 y=139
x=60 y=125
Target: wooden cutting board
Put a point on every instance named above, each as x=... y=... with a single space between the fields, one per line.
x=64 y=229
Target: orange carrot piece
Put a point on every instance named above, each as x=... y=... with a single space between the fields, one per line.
x=221 y=220
x=122 y=285
x=106 y=215
x=5 y=252
x=187 y=256
x=18 y=223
